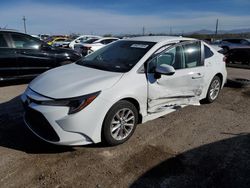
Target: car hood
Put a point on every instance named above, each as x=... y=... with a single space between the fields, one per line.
x=72 y=81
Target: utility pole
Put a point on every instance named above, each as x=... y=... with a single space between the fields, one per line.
x=216 y=29
x=143 y=30
x=24 y=23
x=170 y=31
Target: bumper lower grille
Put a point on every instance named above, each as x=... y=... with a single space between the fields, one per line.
x=39 y=124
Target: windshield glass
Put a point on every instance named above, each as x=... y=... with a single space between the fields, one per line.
x=120 y=56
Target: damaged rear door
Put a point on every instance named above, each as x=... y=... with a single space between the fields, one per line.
x=184 y=86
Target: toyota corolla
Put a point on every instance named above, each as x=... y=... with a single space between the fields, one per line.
x=103 y=96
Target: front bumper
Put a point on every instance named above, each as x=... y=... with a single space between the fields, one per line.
x=53 y=124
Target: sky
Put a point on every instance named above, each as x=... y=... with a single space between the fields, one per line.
x=123 y=16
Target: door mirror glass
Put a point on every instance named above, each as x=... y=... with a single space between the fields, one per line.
x=165 y=69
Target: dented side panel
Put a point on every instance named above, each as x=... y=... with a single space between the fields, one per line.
x=182 y=88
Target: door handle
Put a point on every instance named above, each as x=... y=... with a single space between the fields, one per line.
x=197 y=76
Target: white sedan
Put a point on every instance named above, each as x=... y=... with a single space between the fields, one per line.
x=81 y=39
x=103 y=96
x=88 y=48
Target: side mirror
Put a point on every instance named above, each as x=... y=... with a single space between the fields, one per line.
x=165 y=69
x=78 y=41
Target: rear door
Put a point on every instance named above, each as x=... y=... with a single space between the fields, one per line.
x=182 y=88
x=32 y=59
x=9 y=68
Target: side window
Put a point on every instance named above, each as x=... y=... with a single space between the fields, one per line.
x=60 y=40
x=173 y=57
x=22 y=41
x=104 y=41
x=244 y=42
x=3 y=43
x=192 y=53
x=208 y=52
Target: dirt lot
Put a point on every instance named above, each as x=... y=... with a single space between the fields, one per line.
x=205 y=146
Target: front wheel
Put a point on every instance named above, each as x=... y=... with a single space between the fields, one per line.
x=214 y=89
x=120 y=123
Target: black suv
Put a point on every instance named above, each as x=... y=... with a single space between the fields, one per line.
x=23 y=56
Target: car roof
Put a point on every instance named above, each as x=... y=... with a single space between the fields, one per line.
x=104 y=38
x=10 y=31
x=158 y=38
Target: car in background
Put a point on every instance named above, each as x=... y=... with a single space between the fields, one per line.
x=62 y=44
x=82 y=39
x=103 y=96
x=237 y=51
x=228 y=44
x=57 y=39
x=43 y=36
x=96 y=45
x=79 y=47
x=24 y=57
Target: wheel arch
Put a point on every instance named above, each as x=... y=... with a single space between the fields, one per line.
x=221 y=78
x=136 y=104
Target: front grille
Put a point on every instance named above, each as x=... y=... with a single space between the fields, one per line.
x=39 y=124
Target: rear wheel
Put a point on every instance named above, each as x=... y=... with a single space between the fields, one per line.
x=120 y=123
x=214 y=89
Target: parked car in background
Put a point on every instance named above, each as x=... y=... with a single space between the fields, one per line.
x=62 y=44
x=96 y=45
x=228 y=44
x=82 y=39
x=237 y=51
x=23 y=56
x=79 y=47
x=103 y=96
x=57 y=39
x=43 y=36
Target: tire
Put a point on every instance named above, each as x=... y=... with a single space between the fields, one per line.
x=124 y=116
x=214 y=89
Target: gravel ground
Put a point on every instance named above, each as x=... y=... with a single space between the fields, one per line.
x=198 y=146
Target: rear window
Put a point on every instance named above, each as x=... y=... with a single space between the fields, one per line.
x=3 y=43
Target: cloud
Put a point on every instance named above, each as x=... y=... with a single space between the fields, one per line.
x=66 y=19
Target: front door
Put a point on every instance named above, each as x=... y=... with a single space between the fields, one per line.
x=183 y=87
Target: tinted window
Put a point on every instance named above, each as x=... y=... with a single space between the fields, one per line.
x=3 y=42
x=107 y=41
x=23 y=41
x=120 y=56
x=236 y=41
x=60 y=40
x=192 y=53
x=90 y=41
x=208 y=52
x=245 y=42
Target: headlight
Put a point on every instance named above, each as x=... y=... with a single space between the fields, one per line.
x=75 y=104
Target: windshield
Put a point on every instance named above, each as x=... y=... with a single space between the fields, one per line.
x=120 y=56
